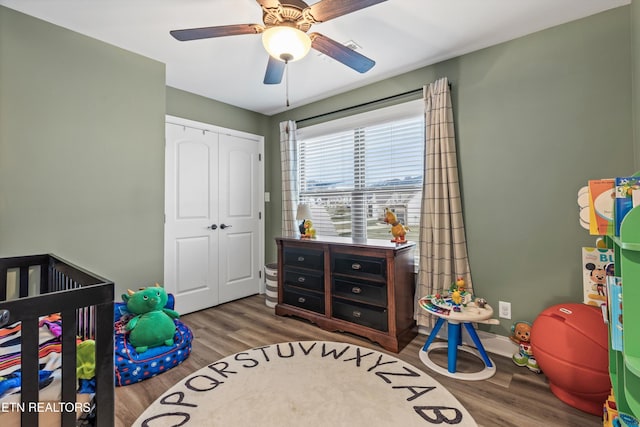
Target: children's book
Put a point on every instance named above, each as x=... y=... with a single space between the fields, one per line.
x=625 y=187
x=614 y=285
x=601 y=207
x=597 y=265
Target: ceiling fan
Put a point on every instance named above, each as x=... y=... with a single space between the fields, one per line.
x=284 y=33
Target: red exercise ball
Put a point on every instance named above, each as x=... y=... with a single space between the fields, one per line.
x=570 y=343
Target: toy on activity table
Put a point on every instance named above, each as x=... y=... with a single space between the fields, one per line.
x=398 y=230
x=521 y=335
x=458 y=303
x=459 y=295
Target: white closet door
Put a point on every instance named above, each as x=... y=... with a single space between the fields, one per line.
x=239 y=179
x=191 y=209
x=214 y=233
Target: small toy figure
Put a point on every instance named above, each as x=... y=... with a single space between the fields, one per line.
x=456 y=300
x=456 y=297
x=521 y=335
x=459 y=296
x=398 y=231
x=309 y=231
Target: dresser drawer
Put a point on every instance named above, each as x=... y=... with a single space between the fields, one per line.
x=365 y=315
x=367 y=292
x=363 y=266
x=303 y=299
x=305 y=258
x=307 y=279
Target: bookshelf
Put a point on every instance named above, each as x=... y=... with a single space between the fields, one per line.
x=624 y=366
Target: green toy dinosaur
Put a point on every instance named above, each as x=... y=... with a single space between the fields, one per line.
x=153 y=324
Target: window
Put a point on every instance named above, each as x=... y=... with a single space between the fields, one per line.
x=351 y=170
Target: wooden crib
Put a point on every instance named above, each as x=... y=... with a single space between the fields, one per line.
x=39 y=285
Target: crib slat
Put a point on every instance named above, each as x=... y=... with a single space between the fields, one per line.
x=44 y=279
x=24 y=282
x=105 y=383
x=69 y=364
x=30 y=382
x=3 y=283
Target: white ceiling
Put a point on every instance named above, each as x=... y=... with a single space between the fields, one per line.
x=400 y=35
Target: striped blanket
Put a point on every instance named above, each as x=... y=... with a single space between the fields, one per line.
x=49 y=353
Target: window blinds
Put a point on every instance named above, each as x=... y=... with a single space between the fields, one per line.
x=348 y=177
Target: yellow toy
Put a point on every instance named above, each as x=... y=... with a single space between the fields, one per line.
x=456 y=297
x=459 y=296
x=398 y=230
x=309 y=231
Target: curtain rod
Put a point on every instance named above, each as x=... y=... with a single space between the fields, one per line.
x=375 y=101
x=364 y=104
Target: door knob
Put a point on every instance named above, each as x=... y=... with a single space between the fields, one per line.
x=213 y=226
x=223 y=226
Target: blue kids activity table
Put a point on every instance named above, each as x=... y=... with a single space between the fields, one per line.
x=457 y=315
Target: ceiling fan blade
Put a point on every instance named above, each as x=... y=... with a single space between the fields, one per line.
x=221 y=31
x=325 y=10
x=341 y=53
x=275 y=70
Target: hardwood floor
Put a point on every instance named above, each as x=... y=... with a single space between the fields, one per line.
x=513 y=397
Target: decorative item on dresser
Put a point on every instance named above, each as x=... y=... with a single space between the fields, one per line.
x=365 y=287
x=302 y=214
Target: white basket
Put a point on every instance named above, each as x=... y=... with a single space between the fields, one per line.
x=271 y=281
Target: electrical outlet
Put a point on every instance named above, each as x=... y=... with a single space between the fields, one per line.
x=504 y=310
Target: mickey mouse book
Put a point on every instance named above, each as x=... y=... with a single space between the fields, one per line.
x=597 y=264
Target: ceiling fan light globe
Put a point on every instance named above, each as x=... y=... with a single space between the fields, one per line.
x=287 y=44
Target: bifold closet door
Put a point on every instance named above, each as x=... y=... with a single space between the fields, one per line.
x=191 y=217
x=212 y=217
x=239 y=218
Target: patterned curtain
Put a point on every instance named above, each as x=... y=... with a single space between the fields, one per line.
x=443 y=246
x=289 y=166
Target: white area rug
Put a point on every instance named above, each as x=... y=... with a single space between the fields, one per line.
x=309 y=383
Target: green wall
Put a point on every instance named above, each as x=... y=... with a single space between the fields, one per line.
x=81 y=151
x=82 y=156
x=535 y=119
x=205 y=110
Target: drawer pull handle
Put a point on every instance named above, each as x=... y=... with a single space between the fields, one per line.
x=356 y=266
x=301 y=300
x=300 y=259
x=356 y=290
x=301 y=279
x=357 y=314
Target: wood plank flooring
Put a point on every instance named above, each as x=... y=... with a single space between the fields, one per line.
x=513 y=397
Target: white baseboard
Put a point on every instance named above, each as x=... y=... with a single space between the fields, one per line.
x=492 y=343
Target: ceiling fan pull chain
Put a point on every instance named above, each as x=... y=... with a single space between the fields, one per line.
x=286 y=81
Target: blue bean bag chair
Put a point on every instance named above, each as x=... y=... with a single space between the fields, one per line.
x=132 y=367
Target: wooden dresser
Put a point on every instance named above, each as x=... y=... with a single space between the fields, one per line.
x=341 y=284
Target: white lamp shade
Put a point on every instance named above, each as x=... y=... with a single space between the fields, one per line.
x=286 y=43
x=303 y=212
